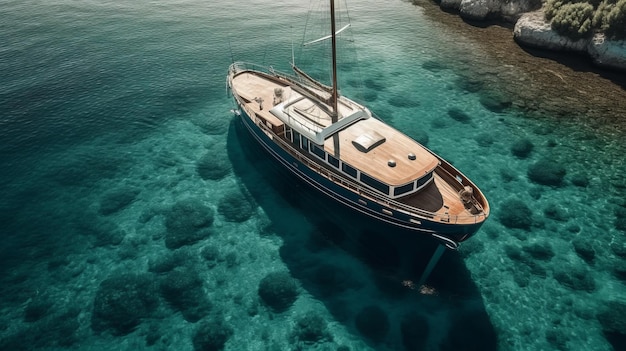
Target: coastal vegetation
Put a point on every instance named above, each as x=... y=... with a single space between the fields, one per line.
x=579 y=19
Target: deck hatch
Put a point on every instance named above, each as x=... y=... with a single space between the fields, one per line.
x=367 y=141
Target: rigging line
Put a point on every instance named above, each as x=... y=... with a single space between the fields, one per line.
x=347 y=11
x=306 y=27
x=360 y=87
x=328 y=36
x=306 y=22
x=230 y=49
x=265 y=55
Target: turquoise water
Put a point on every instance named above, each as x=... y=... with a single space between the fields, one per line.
x=134 y=218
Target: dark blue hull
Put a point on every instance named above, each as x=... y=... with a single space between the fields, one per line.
x=449 y=234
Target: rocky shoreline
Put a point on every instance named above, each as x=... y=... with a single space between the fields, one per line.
x=541 y=83
x=480 y=10
x=532 y=29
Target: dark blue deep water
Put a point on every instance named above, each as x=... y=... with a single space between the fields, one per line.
x=133 y=215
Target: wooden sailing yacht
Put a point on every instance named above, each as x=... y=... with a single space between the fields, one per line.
x=342 y=150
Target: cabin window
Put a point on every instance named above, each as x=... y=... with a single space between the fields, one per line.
x=333 y=161
x=349 y=170
x=317 y=151
x=296 y=138
x=288 y=133
x=384 y=188
x=424 y=179
x=403 y=189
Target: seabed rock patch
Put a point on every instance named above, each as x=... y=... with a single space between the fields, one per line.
x=484 y=139
x=214 y=165
x=236 y=207
x=187 y=222
x=459 y=115
x=278 y=290
x=311 y=328
x=540 y=251
x=580 y=180
x=575 y=278
x=495 y=102
x=211 y=335
x=584 y=249
x=522 y=148
x=547 y=172
x=169 y=261
x=515 y=213
x=404 y=101
x=182 y=289
x=122 y=302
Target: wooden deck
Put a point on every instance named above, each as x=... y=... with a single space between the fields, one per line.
x=396 y=147
x=258 y=94
x=441 y=197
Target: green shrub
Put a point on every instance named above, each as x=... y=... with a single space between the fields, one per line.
x=577 y=19
x=615 y=21
x=553 y=6
x=599 y=17
x=595 y=3
x=574 y=20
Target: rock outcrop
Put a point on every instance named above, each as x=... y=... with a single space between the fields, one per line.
x=511 y=10
x=532 y=29
x=478 y=10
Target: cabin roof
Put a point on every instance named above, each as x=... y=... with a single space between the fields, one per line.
x=396 y=147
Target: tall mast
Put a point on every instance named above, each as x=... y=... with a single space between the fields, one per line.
x=335 y=114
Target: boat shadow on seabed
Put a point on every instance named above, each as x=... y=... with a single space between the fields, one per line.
x=365 y=273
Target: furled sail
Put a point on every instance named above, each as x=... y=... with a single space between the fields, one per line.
x=311 y=80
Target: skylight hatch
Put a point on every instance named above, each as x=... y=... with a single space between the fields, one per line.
x=368 y=141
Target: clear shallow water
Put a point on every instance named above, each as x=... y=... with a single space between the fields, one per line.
x=114 y=116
